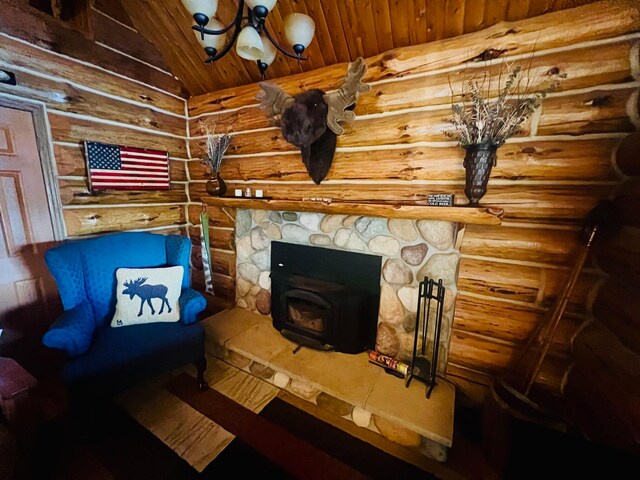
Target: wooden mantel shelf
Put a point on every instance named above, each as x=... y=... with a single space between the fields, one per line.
x=474 y=215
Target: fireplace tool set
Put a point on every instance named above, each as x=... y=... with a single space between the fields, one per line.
x=428 y=320
x=424 y=360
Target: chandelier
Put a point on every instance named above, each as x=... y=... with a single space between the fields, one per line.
x=253 y=40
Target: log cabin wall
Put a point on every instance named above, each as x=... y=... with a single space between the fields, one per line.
x=546 y=179
x=103 y=84
x=603 y=385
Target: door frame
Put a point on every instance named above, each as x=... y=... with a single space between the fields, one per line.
x=47 y=160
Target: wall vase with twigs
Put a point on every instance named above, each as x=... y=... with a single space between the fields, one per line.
x=478 y=161
x=482 y=123
x=216 y=146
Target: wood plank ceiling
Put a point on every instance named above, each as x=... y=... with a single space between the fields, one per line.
x=345 y=30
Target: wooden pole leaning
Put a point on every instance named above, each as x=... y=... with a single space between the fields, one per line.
x=512 y=390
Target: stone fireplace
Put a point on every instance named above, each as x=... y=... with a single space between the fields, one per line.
x=409 y=251
x=325 y=298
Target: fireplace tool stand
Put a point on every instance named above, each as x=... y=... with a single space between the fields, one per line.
x=429 y=314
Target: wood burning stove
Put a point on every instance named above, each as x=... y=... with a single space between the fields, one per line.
x=325 y=299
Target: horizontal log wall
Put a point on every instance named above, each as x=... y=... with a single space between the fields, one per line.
x=109 y=85
x=603 y=384
x=101 y=39
x=106 y=99
x=547 y=178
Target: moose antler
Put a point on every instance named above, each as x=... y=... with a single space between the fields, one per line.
x=274 y=100
x=137 y=281
x=346 y=96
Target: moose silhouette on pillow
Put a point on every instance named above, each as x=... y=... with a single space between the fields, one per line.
x=146 y=293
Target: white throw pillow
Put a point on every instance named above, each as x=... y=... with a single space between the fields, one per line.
x=147 y=295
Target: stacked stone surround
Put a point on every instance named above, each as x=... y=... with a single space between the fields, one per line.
x=410 y=250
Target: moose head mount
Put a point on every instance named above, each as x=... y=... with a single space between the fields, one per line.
x=311 y=119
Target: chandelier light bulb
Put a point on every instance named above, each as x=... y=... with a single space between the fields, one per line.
x=204 y=7
x=249 y=44
x=269 y=49
x=299 y=29
x=268 y=4
x=214 y=41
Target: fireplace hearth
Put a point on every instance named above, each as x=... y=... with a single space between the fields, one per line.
x=405 y=252
x=323 y=298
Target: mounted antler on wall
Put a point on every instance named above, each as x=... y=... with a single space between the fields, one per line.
x=304 y=118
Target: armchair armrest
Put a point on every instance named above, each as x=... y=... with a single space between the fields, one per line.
x=191 y=304
x=72 y=331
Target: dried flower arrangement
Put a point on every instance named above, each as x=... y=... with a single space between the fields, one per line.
x=492 y=121
x=216 y=146
x=482 y=123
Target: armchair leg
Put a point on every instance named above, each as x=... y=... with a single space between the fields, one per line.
x=201 y=365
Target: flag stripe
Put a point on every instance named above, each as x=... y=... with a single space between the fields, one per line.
x=147 y=161
x=133 y=184
x=141 y=150
x=147 y=167
x=129 y=179
x=128 y=172
x=142 y=155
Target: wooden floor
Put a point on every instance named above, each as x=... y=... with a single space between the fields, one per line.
x=199 y=438
x=169 y=433
x=193 y=436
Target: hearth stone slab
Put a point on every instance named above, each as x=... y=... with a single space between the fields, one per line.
x=260 y=342
x=347 y=377
x=227 y=324
x=350 y=378
x=431 y=418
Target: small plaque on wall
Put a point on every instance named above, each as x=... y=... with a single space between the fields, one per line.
x=440 y=199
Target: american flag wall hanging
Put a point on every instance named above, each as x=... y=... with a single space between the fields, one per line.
x=113 y=167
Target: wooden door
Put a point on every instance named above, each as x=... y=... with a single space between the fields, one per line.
x=27 y=291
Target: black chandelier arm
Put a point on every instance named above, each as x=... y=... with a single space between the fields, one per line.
x=236 y=21
x=206 y=31
x=275 y=44
x=238 y=24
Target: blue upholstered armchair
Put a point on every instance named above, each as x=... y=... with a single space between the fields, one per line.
x=104 y=359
